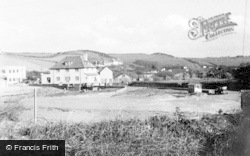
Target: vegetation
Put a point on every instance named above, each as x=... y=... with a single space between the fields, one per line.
x=159 y=135
x=243 y=74
x=221 y=72
x=151 y=65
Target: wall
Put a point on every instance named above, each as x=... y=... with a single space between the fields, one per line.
x=183 y=86
x=123 y=79
x=86 y=75
x=231 y=85
x=44 y=78
x=3 y=82
x=106 y=76
x=245 y=101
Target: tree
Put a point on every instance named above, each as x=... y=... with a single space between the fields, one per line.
x=243 y=74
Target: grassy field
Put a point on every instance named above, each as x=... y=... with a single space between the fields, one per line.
x=157 y=134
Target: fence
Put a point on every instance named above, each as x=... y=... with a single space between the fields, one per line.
x=231 y=85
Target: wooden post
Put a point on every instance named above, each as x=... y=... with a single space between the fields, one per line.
x=35 y=105
x=245 y=101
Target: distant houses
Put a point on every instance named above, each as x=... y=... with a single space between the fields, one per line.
x=12 y=75
x=125 y=78
x=105 y=63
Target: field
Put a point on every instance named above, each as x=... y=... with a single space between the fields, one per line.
x=130 y=102
x=129 y=121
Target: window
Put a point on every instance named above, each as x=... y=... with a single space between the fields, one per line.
x=14 y=79
x=77 y=78
x=3 y=71
x=57 y=78
x=67 y=78
x=9 y=79
x=67 y=70
x=17 y=71
x=76 y=70
x=57 y=70
x=48 y=79
x=13 y=71
x=9 y=71
x=68 y=63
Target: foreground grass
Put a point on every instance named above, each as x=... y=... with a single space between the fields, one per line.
x=159 y=135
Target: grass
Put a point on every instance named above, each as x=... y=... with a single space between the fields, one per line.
x=158 y=135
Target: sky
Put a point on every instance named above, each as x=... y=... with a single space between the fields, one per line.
x=119 y=26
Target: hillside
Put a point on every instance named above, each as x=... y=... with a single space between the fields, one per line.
x=162 y=60
x=29 y=63
x=43 y=61
x=225 y=61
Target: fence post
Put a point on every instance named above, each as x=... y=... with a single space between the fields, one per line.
x=245 y=101
x=35 y=105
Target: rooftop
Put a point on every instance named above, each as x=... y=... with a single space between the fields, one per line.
x=72 y=62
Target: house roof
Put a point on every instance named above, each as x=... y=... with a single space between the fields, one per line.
x=132 y=75
x=91 y=74
x=77 y=62
x=100 y=68
x=120 y=75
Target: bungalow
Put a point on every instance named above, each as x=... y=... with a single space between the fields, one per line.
x=72 y=70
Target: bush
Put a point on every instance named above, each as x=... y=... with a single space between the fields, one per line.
x=159 y=135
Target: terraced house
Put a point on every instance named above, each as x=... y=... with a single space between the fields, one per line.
x=72 y=70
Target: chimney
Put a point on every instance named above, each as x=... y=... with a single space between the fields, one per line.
x=85 y=57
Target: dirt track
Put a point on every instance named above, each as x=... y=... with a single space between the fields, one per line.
x=127 y=103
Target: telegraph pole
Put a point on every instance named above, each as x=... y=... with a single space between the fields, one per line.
x=35 y=105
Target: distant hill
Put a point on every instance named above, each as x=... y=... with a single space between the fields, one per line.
x=225 y=61
x=162 y=60
x=29 y=63
x=162 y=54
x=43 y=61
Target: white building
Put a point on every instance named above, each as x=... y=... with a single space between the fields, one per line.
x=72 y=70
x=13 y=74
x=106 y=75
x=195 y=88
x=106 y=63
x=116 y=62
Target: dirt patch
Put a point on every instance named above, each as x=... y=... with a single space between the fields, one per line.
x=132 y=102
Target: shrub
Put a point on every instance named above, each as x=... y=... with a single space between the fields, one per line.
x=158 y=135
